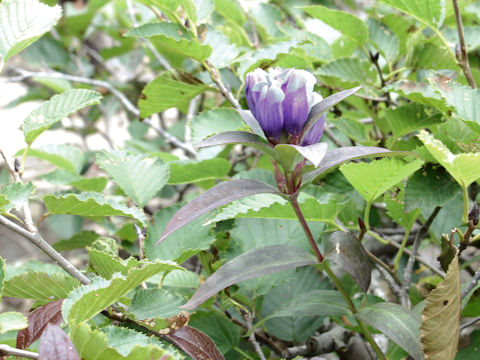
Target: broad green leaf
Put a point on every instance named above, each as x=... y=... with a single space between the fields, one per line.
x=409 y=118
x=348 y=72
x=86 y=301
x=12 y=321
x=169 y=36
x=90 y=204
x=55 y=109
x=231 y=10
x=186 y=172
x=40 y=286
x=252 y=264
x=463 y=167
x=140 y=177
x=429 y=12
x=182 y=279
x=348 y=24
x=22 y=22
x=223 y=51
x=106 y=264
x=2 y=276
x=471 y=35
x=399 y=324
x=155 y=304
x=385 y=40
x=214 y=121
x=165 y=92
x=182 y=244
x=396 y=208
x=374 y=178
x=64 y=156
x=440 y=327
x=268 y=17
x=96 y=184
x=431 y=56
x=77 y=241
x=313 y=303
x=16 y=195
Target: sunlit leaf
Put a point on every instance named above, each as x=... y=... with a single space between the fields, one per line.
x=12 y=321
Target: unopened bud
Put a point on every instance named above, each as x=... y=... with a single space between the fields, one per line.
x=474 y=214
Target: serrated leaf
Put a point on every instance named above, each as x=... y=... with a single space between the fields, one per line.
x=440 y=327
x=106 y=264
x=64 y=156
x=155 y=303
x=429 y=12
x=214 y=121
x=186 y=172
x=86 y=301
x=22 y=22
x=349 y=71
x=139 y=176
x=463 y=167
x=165 y=92
x=16 y=195
x=77 y=241
x=55 y=345
x=12 y=321
x=409 y=118
x=223 y=51
x=96 y=184
x=396 y=209
x=172 y=37
x=420 y=93
x=40 y=286
x=182 y=279
x=374 y=178
x=348 y=24
x=90 y=204
x=55 y=109
x=252 y=264
x=195 y=343
x=399 y=324
x=38 y=319
x=213 y=198
x=347 y=251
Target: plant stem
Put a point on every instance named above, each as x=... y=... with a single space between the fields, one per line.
x=465 y=204
x=6 y=350
x=333 y=277
x=402 y=247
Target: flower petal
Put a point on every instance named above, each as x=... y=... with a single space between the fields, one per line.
x=270 y=111
x=315 y=133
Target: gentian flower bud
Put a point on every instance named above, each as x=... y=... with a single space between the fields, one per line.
x=281 y=101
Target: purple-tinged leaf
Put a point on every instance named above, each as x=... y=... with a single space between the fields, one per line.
x=252 y=123
x=313 y=153
x=213 y=198
x=252 y=264
x=321 y=107
x=55 y=345
x=239 y=137
x=347 y=251
x=339 y=155
x=38 y=319
x=195 y=343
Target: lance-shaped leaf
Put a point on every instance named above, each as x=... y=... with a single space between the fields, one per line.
x=239 y=137
x=313 y=153
x=213 y=198
x=440 y=326
x=38 y=320
x=399 y=324
x=195 y=343
x=252 y=123
x=320 y=108
x=55 y=345
x=252 y=264
x=346 y=250
x=340 y=155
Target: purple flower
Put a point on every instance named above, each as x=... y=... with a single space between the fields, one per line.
x=281 y=101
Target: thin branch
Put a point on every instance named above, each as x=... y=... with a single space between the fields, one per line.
x=170 y=138
x=462 y=58
x=249 y=321
x=472 y=284
x=6 y=350
x=333 y=137
x=214 y=74
x=470 y=323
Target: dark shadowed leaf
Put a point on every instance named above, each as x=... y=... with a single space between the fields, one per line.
x=213 y=198
x=239 y=137
x=346 y=250
x=195 y=343
x=55 y=345
x=38 y=320
x=340 y=155
x=250 y=120
x=399 y=324
x=252 y=264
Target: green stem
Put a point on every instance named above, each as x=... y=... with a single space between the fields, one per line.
x=402 y=247
x=366 y=216
x=24 y=158
x=465 y=204
x=333 y=277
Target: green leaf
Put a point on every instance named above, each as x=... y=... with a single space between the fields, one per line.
x=463 y=167
x=429 y=12
x=16 y=195
x=214 y=121
x=385 y=40
x=90 y=204
x=95 y=184
x=140 y=177
x=223 y=51
x=440 y=328
x=473 y=350
x=77 y=241
x=183 y=279
x=106 y=264
x=40 y=286
x=350 y=71
x=86 y=301
x=399 y=324
x=64 y=156
x=55 y=109
x=23 y=22
x=349 y=25
x=171 y=37
x=155 y=304
x=374 y=178
x=182 y=244
x=231 y=10
x=396 y=208
x=186 y=172
x=12 y=321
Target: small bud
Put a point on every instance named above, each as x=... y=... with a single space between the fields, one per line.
x=16 y=165
x=361 y=224
x=374 y=56
x=473 y=215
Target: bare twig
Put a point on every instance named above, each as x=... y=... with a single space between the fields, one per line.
x=472 y=284
x=249 y=321
x=462 y=58
x=470 y=323
x=218 y=80
x=170 y=138
x=333 y=137
x=6 y=350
